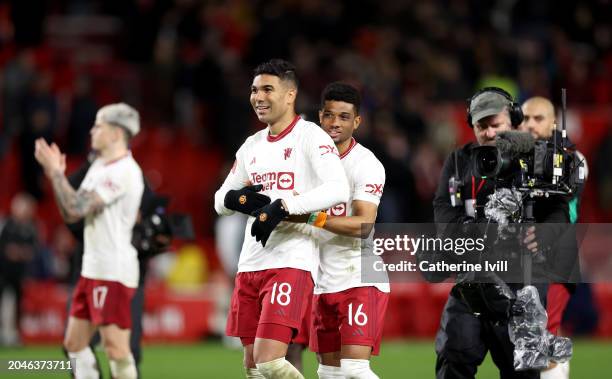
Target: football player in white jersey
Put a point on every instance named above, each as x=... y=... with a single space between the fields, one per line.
x=108 y=200
x=278 y=258
x=348 y=314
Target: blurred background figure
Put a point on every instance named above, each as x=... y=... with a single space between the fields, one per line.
x=229 y=232
x=39 y=108
x=19 y=243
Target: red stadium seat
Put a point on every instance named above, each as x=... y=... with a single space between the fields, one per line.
x=603 y=298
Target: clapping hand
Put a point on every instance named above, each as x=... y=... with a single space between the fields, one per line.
x=50 y=157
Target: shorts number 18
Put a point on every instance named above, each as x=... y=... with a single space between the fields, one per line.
x=283 y=298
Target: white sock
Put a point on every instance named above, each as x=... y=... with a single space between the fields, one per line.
x=566 y=368
x=560 y=371
x=279 y=369
x=123 y=368
x=357 y=369
x=253 y=373
x=329 y=372
x=84 y=364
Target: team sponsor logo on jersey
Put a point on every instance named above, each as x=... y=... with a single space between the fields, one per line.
x=287 y=153
x=285 y=180
x=337 y=210
x=374 y=189
x=328 y=149
x=270 y=180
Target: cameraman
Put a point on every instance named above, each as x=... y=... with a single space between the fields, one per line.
x=465 y=337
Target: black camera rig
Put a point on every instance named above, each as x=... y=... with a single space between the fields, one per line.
x=536 y=168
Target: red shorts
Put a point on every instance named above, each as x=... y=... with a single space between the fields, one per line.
x=103 y=302
x=277 y=296
x=352 y=317
x=556 y=300
x=303 y=334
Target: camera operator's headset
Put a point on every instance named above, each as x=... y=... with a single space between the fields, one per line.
x=516 y=117
x=516 y=113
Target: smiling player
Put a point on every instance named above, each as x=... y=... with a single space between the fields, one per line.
x=274 y=282
x=347 y=313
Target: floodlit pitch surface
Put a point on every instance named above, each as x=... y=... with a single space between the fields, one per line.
x=399 y=359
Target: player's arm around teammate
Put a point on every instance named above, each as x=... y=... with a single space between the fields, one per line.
x=347 y=313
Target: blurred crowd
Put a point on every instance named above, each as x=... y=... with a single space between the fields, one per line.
x=186 y=65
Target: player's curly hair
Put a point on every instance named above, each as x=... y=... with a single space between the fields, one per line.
x=338 y=91
x=278 y=67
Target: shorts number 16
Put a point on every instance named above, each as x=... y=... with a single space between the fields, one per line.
x=283 y=298
x=359 y=317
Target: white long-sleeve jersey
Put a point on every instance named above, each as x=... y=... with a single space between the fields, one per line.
x=341 y=258
x=108 y=251
x=301 y=165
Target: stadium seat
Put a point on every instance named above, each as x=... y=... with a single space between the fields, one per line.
x=603 y=298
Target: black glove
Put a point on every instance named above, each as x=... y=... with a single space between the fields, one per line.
x=246 y=200
x=266 y=219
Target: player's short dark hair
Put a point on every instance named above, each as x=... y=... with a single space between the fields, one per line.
x=338 y=91
x=278 y=67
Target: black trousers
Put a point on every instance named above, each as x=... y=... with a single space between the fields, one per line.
x=11 y=277
x=136 y=332
x=463 y=340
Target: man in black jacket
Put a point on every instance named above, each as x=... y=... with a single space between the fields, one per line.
x=464 y=336
x=19 y=242
x=540 y=121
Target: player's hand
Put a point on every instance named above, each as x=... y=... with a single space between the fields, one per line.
x=246 y=200
x=50 y=157
x=266 y=219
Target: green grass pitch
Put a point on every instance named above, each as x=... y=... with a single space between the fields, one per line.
x=400 y=359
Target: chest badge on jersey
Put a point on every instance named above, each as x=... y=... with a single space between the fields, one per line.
x=287 y=153
x=108 y=183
